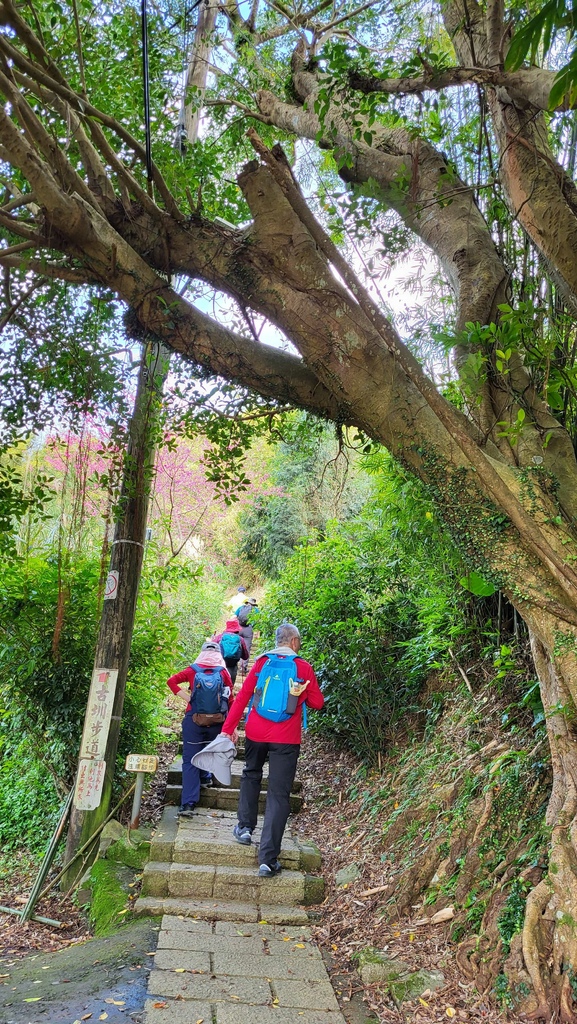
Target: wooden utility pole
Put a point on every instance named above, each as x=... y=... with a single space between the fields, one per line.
x=99 y=744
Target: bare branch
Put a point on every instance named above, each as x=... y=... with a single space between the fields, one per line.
x=325 y=29
x=19 y=227
x=24 y=199
x=239 y=106
x=15 y=305
x=19 y=247
x=54 y=271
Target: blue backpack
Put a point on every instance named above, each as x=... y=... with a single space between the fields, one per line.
x=207 y=697
x=230 y=646
x=272 y=691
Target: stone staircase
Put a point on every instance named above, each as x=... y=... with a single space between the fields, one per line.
x=233 y=948
x=225 y=798
x=197 y=869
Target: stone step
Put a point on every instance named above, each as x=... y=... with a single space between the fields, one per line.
x=226 y=799
x=208 y=910
x=207 y=836
x=175 y=776
x=229 y=883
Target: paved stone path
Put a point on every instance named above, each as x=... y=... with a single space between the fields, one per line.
x=233 y=948
x=228 y=972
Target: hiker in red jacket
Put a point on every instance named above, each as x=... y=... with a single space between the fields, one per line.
x=277 y=740
x=205 y=712
x=232 y=646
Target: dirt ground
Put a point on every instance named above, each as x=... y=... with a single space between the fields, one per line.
x=349 y=918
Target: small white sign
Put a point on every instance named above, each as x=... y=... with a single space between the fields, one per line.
x=141 y=763
x=111 y=588
x=89 y=783
x=98 y=713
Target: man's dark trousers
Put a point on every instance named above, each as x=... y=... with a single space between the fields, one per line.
x=282 y=764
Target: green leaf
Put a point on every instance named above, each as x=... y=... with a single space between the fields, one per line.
x=476 y=585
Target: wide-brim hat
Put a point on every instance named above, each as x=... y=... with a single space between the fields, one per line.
x=217 y=758
x=251 y=600
x=232 y=626
x=210 y=659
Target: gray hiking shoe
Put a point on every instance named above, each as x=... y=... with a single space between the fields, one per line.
x=242 y=835
x=270 y=870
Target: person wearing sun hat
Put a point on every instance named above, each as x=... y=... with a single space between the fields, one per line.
x=232 y=646
x=206 y=686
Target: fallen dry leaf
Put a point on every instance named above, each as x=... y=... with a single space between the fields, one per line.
x=450 y=1011
x=447 y=914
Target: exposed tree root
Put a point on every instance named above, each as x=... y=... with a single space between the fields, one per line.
x=537 y=940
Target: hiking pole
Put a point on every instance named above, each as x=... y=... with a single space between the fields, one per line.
x=33 y=917
x=86 y=844
x=26 y=914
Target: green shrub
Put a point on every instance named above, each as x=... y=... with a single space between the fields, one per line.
x=44 y=681
x=378 y=605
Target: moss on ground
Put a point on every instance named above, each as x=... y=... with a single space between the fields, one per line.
x=109 y=883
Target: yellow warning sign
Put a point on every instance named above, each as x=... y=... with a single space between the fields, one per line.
x=141 y=763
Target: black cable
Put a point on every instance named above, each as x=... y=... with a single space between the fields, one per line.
x=146 y=88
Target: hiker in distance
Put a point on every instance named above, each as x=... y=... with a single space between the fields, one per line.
x=281 y=685
x=207 y=688
x=234 y=602
x=246 y=615
x=232 y=646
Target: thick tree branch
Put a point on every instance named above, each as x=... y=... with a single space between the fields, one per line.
x=527 y=85
x=455 y=231
x=540 y=193
x=496 y=486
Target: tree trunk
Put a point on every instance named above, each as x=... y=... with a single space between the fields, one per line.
x=197 y=71
x=99 y=746
x=550 y=932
